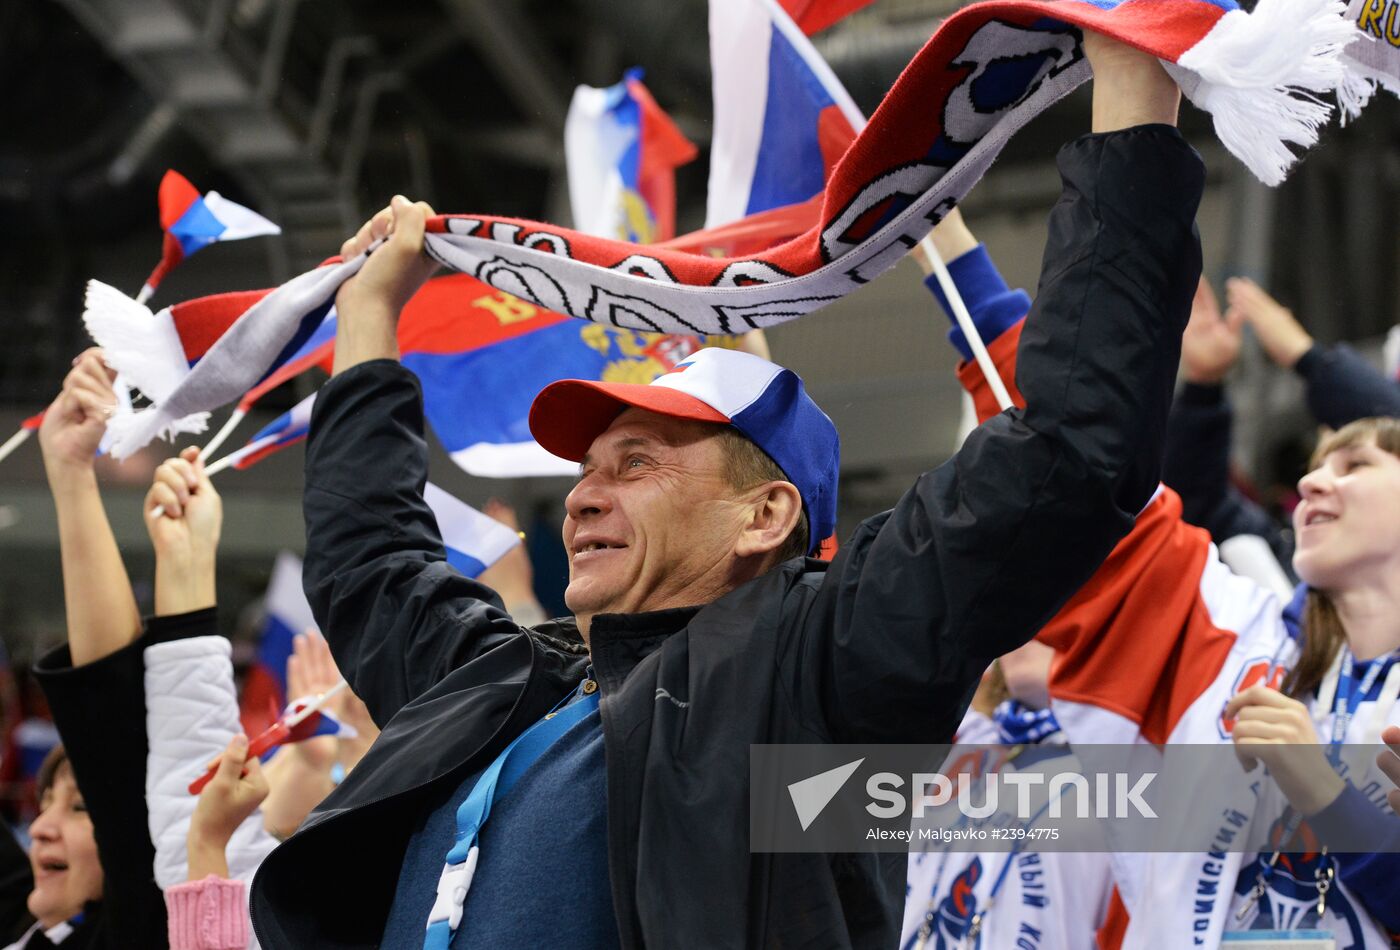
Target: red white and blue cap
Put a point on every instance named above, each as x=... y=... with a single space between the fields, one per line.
x=765 y=402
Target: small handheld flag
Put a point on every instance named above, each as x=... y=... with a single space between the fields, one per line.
x=26 y=428
x=474 y=540
x=192 y=221
x=302 y=720
x=287 y=429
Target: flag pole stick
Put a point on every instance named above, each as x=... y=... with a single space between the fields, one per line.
x=233 y=458
x=237 y=416
x=14 y=442
x=964 y=321
x=301 y=715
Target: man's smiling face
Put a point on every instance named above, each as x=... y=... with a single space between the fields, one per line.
x=653 y=520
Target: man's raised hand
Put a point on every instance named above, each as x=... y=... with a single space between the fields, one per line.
x=368 y=304
x=1130 y=87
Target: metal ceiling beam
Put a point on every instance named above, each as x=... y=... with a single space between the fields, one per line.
x=504 y=42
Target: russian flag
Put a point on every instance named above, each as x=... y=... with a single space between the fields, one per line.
x=192 y=221
x=483 y=355
x=474 y=540
x=287 y=429
x=277 y=730
x=782 y=118
x=286 y=614
x=622 y=151
x=318 y=723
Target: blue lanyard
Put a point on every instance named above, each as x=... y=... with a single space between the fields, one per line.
x=1349 y=698
x=493 y=785
x=974 y=930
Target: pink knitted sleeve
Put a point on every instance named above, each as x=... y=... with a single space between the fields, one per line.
x=211 y=914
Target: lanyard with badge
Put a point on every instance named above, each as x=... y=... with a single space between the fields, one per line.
x=1345 y=702
x=931 y=911
x=979 y=918
x=493 y=785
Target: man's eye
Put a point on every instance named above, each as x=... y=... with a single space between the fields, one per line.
x=635 y=461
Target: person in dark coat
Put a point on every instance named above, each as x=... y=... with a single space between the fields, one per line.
x=584 y=782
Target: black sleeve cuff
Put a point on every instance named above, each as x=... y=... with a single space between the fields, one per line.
x=1309 y=360
x=58 y=662
x=195 y=623
x=1201 y=394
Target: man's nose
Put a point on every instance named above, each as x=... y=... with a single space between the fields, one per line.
x=588 y=497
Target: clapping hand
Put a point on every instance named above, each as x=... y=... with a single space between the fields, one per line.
x=1280 y=334
x=1211 y=343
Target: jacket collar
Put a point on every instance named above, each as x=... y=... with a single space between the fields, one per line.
x=618 y=642
x=649 y=623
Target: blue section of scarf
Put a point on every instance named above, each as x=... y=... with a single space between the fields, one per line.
x=1018 y=724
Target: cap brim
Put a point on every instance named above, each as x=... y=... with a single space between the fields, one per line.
x=568 y=415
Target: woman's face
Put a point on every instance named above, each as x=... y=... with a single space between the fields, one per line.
x=63 y=855
x=1347 y=526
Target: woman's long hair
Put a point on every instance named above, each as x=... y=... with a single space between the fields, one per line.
x=1323 y=633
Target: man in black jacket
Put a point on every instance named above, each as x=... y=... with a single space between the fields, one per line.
x=628 y=828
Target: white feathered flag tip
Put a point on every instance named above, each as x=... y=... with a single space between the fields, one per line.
x=146 y=349
x=1260 y=76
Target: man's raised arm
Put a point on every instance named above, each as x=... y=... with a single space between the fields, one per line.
x=397 y=617
x=983 y=550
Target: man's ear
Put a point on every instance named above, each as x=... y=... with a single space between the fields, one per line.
x=773 y=515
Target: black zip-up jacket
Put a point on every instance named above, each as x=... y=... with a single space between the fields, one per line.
x=885 y=644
